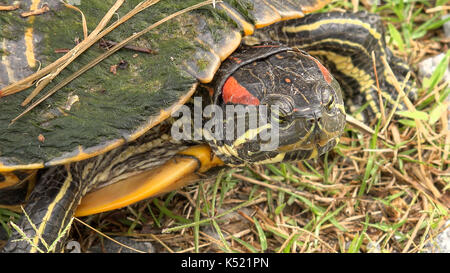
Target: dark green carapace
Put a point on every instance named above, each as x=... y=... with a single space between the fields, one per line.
x=99 y=106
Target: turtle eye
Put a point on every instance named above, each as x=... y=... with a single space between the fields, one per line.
x=327 y=98
x=280 y=105
x=330 y=103
x=283 y=118
x=285 y=108
x=279 y=115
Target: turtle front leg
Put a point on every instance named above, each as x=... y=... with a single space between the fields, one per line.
x=113 y=180
x=47 y=213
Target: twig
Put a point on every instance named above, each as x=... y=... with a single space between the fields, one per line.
x=311 y=234
x=109 y=44
x=107 y=54
x=83 y=18
x=358 y=124
x=42 y=10
x=236 y=235
x=277 y=188
x=437 y=9
x=75 y=52
x=9 y=8
x=413 y=183
x=414 y=233
x=397 y=102
x=106 y=236
x=162 y=243
x=420 y=129
x=244 y=204
x=61 y=50
x=380 y=99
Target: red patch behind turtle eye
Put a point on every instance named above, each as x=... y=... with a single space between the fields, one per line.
x=235 y=93
x=325 y=73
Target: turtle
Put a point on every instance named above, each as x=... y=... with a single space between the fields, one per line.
x=151 y=117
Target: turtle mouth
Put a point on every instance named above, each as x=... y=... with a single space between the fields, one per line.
x=306 y=134
x=300 y=136
x=320 y=137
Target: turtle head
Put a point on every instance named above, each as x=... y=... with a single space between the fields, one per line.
x=278 y=104
x=311 y=120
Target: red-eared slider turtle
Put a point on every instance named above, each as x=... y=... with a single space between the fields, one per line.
x=105 y=140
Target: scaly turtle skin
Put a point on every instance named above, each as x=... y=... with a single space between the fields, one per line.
x=104 y=140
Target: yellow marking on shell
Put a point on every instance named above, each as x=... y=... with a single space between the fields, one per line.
x=205 y=45
x=265 y=15
x=163 y=114
x=29 y=47
x=82 y=155
x=5 y=61
x=171 y=175
x=29 y=51
x=61 y=194
x=246 y=26
x=6 y=168
x=291 y=16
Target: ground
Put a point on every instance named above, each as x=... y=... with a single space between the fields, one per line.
x=367 y=195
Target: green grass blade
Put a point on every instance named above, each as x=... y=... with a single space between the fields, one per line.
x=261 y=235
x=397 y=37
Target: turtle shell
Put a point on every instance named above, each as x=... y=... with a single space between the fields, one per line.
x=128 y=93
